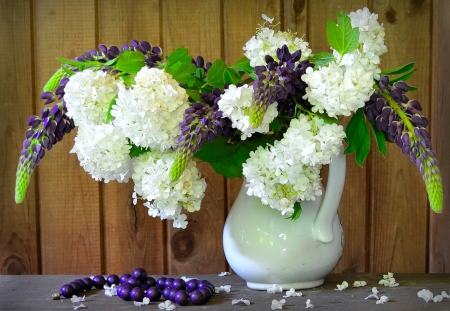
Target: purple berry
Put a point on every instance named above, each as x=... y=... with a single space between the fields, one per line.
x=160 y=283
x=125 y=290
x=82 y=283
x=77 y=287
x=124 y=278
x=112 y=279
x=67 y=290
x=153 y=293
x=197 y=297
x=140 y=273
x=88 y=282
x=166 y=293
x=191 y=285
x=172 y=294
x=168 y=282
x=99 y=281
x=137 y=294
x=181 y=298
x=207 y=293
x=179 y=284
x=149 y=282
x=135 y=282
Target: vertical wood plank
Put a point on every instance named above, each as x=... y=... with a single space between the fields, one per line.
x=19 y=253
x=69 y=197
x=241 y=20
x=132 y=238
x=439 y=244
x=353 y=208
x=399 y=212
x=197 y=25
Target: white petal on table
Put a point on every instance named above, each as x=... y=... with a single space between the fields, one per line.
x=277 y=304
x=240 y=301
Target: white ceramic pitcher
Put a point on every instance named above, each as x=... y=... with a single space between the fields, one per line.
x=265 y=248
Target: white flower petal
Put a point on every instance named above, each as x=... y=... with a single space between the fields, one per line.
x=425 y=294
x=277 y=304
x=240 y=301
x=437 y=298
x=309 y=305
x=359 y=283
x=382 y=300
x=342 y=286
x=275 y=289
x=81 y=306
x=224 y=273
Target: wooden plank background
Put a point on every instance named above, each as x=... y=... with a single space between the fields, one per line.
x=70 y=224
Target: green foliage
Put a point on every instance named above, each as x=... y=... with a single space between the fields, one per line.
x=136 y=151
x=216 y=73
x=227 y=158
x=130 y=62
x=403 y=74
x=80 y=65
x=297 y=211
x=231 y=76
x=111 y=104
x=322 y=59
x=179 y=65
x=242 y=64
x=342 y=37
x=379 y=138
x=358 y=137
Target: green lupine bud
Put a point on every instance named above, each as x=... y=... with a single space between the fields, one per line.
x=256 y=115
x=433 y=185
x=22 y=181
x=179 y=165
x=53 y=82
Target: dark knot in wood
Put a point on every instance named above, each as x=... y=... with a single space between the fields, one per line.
x=391 y=15
x=182 y=244
x=14 y=265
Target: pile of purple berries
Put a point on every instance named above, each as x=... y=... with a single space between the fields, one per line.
x=138 y=285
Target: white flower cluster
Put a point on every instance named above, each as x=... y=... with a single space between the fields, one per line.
x=267 y=41
x=150 y=113
x=344 y=85
x=165 y=198
x=289 y=171
x=234 y=104
x=88 y=95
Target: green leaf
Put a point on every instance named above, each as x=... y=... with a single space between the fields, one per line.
x=111 y=104
x=363 y=149
x=355 y=131
x=180 y=55
x=200 y=73
x=128 y=79
x=110 y=62
x=297 y=211
x=54 y=80
x=195 y=95
x=130 y=62
x=322 y=59
x=379 y=138
x=67 y=70
x=80 y=65
x=184 y=73
x=276 y=125
x=404 y=77
x=397 y=70
x=136 y=151
x=343 y=38
x=215 y=74
x=243 y=64
x=231 y=76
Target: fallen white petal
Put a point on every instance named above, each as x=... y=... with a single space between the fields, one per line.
x=268 y=19
x=372 y=296
x=309 y=305
x=75 y=298
x=444 y=294
x=437 y=298
x=375 y=290
x=224 y=273
x=275 y=289
x=359 y=283
x=81 y=306
x=186 y=279
x=382 y=300
x=293 y=293
x=167 y=305
x=277 y=304
x=145 y=301
x=224 y=288
x=425 y=294
x=240 y=301
x=342 y=286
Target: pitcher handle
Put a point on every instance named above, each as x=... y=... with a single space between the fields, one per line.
x=323 y=224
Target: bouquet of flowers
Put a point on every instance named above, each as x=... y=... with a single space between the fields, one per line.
x=273 y=116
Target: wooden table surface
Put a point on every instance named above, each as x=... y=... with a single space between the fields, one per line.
x=33 y=292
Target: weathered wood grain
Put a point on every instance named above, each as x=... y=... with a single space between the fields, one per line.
x=439 y=230
x=69 y=197
x=34 y=293
x=19 y=226
x=132 y=238
x=197 y=25
x=353 y=208
x=399 y=210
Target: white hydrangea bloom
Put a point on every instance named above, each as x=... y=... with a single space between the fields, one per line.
x=87 y=96
x=273 y=175
x=234 y=104
x=313 y=148
x=150 y=113
x=166 y=198
x=267 y=41
x=338 y=90
x=103 y=152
